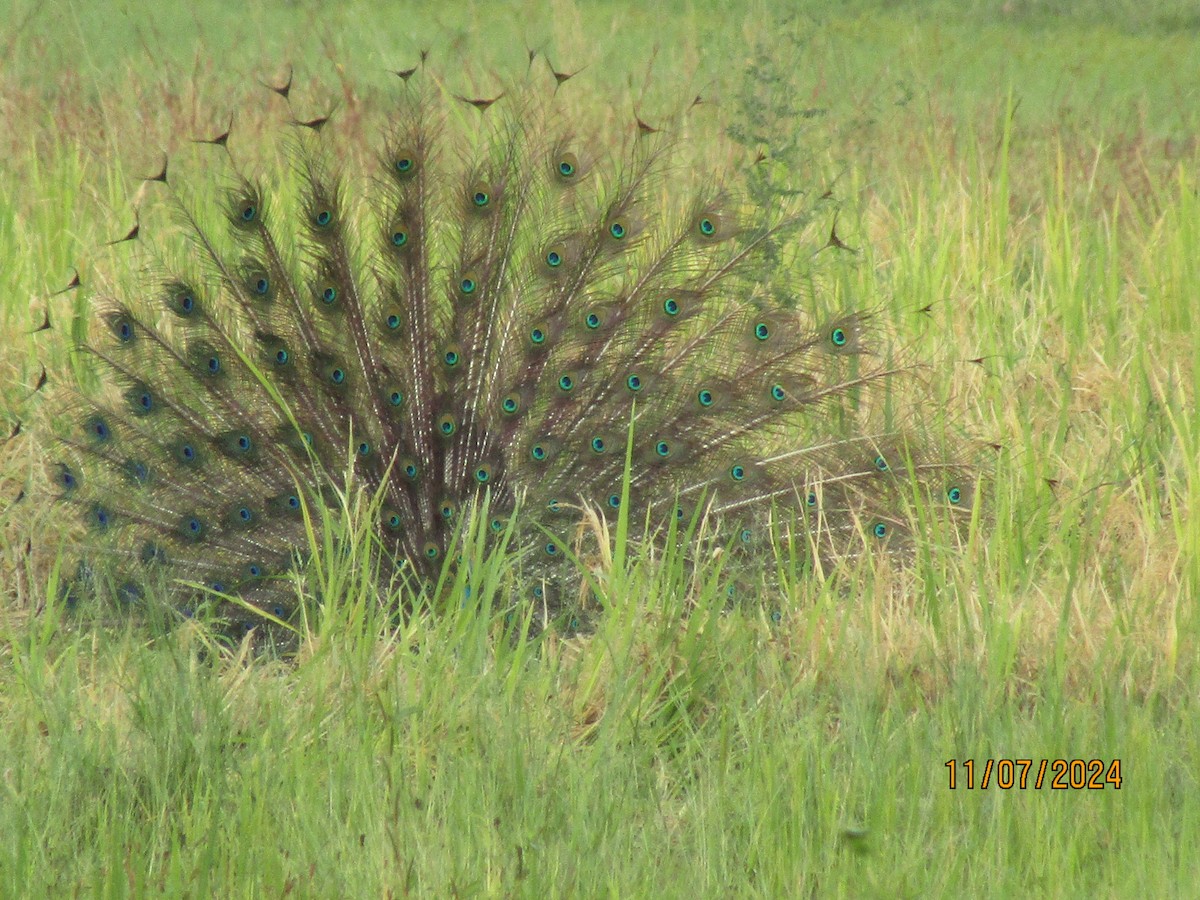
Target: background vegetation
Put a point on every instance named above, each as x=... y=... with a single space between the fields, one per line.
x=1027 y=171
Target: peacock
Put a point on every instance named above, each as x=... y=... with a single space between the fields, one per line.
x=505 y=313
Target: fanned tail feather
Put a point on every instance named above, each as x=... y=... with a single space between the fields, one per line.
x=490 y=311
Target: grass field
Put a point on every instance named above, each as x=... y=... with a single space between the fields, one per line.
x=1030 y=173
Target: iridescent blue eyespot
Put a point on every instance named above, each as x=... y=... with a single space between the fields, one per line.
x=538 y=336
x=262 y=285
x=762 y=331
x=249 y=212
x=101 y=517
x=282 y=357
x=565 y=383
x=707 y=228
x=597 y=445
x=392 y=322
x=364 y=449
x=634 y=383
x=467 y=286
x=663 y=449
x=954 y=495
x=399 y=238
x=66 y=477
x=705 y=398
x=481 y=199
x=838 y=336
x=880 y=530
x=329 y=295
x=538 y=452
x=553 y=259
x=337 y=376
x=671 y=307
x=98 y=429
x=777 y=393
x=617 y=230
x=737 y=472
x=396 y=398
x=881 y=464
x=592 y=321
x=614 y=501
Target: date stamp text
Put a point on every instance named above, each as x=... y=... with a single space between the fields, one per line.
x=1024 y=774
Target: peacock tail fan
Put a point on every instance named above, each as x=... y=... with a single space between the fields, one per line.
x=501 y=300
